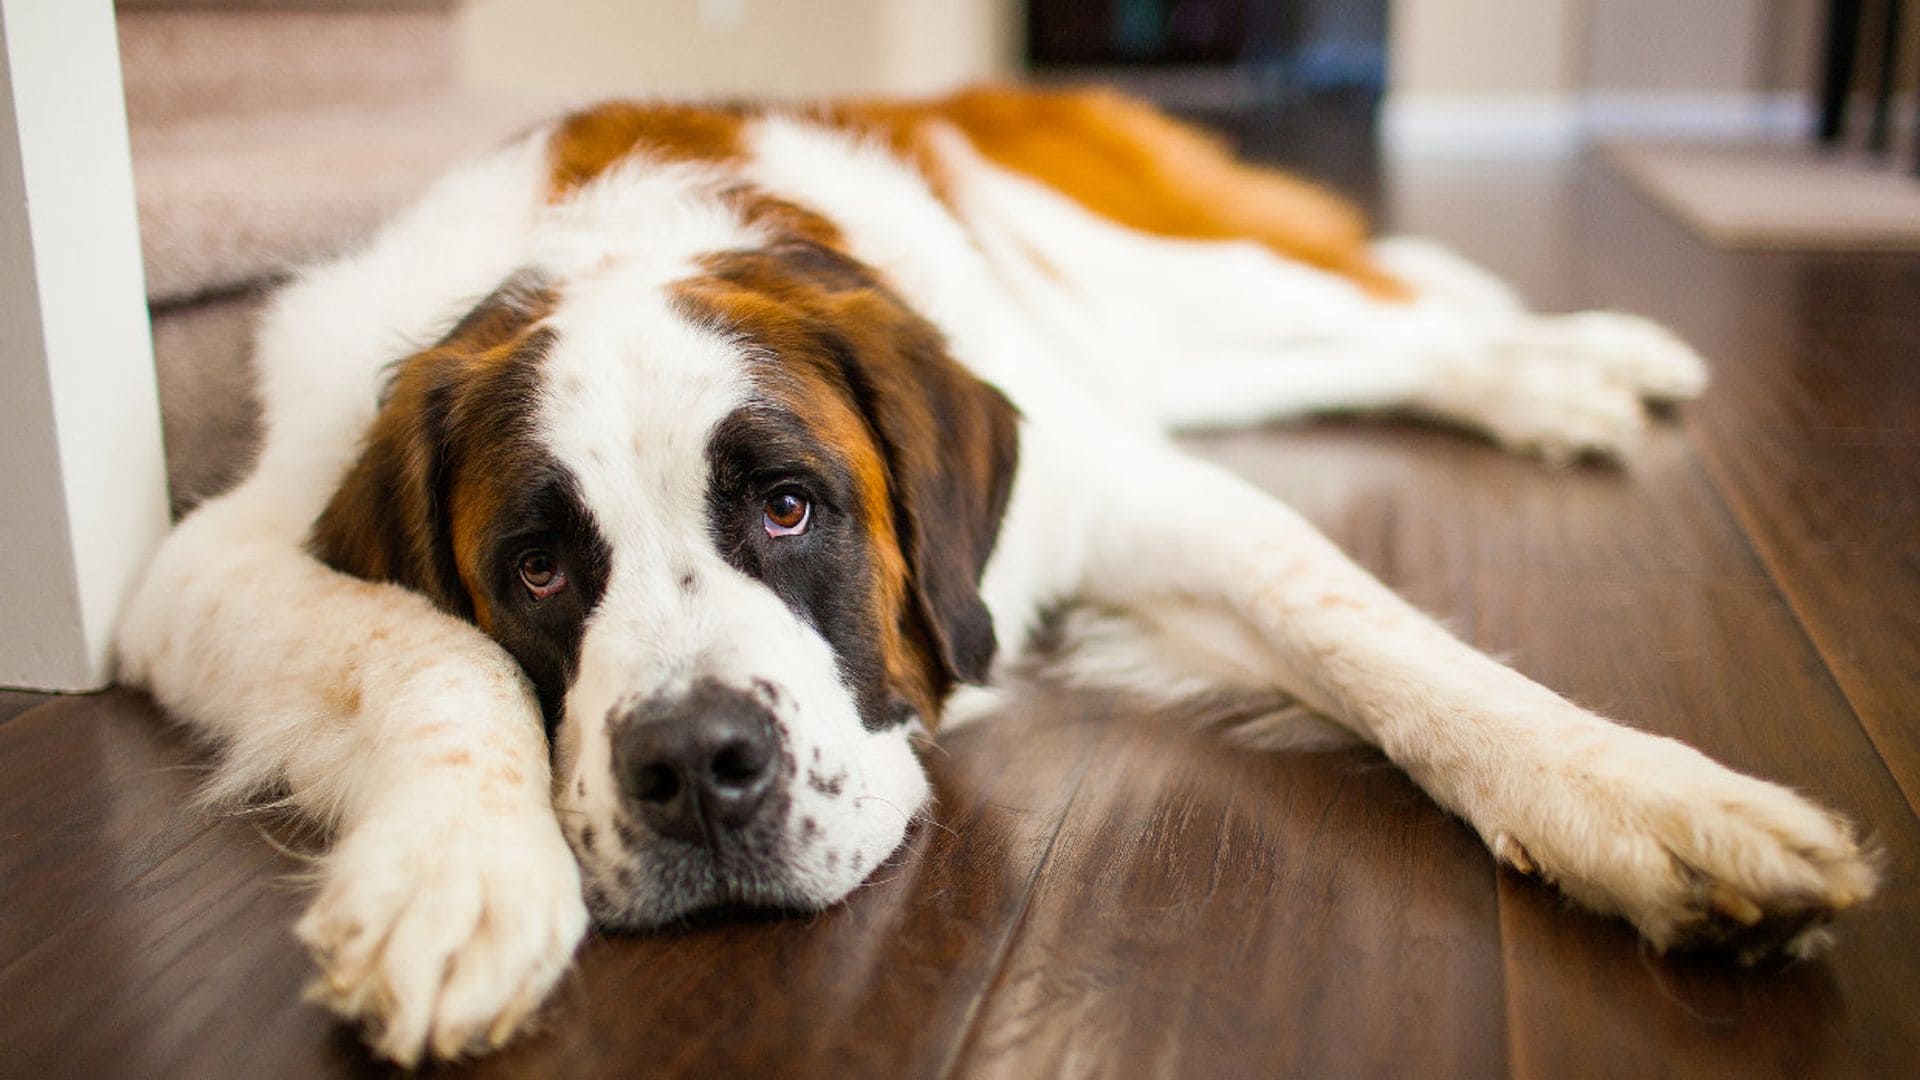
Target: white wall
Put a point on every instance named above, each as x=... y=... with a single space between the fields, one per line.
x=757 y=48
x=1545 y=76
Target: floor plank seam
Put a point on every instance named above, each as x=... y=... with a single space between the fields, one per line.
x=997 y=966
x=1795 y=607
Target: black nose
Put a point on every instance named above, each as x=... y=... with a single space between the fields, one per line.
x=701 y=767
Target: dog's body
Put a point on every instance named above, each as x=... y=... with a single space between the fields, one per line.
x=732 y=442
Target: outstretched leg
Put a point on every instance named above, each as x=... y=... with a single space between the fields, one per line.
x=1623 y=821
x=1210 y=333
x=450 y=902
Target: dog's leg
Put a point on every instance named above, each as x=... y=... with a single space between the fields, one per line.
x=1211 y=334
x=450 y=903
x=1463 y=353
x=1626 y=822
x=1556 y=388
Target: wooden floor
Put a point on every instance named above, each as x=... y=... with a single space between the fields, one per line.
x=1106 y=895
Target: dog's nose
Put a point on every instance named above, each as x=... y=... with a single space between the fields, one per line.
x=702 y=768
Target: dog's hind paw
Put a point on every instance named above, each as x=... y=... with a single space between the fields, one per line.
x=1567 y=386
x=442 y=938
x=1635 y=354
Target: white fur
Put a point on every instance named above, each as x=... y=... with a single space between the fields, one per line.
x=451 y=901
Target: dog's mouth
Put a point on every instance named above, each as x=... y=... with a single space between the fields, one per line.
x=715 y=800
x=771 y=870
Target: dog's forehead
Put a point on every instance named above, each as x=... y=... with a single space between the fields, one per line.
x=632 y=390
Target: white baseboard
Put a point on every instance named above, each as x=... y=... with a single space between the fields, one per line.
x=1479 y=126
x=1694 y=115
x=1516 y=126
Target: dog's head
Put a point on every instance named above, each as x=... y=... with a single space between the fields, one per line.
x=731 y=521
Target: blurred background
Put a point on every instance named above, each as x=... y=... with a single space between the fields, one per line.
x=269 y=132
x=1319 y=85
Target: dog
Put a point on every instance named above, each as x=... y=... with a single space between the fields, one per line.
x=631 y=505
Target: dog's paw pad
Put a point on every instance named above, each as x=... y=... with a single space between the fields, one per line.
x=1698 y=857
x=443 y=948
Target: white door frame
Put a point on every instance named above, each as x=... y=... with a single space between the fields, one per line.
x=83 y=494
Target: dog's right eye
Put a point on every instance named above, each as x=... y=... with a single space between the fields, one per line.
x=541 y=573
x=786 y=513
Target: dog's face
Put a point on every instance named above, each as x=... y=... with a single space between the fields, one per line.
x=731 y=524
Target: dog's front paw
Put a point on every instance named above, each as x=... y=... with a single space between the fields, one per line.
x=442 y=937
x=1693 y=854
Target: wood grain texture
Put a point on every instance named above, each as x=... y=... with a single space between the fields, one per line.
x=1103 y=892
x=1726 y=669
x=1209 y=912
x=15 y=702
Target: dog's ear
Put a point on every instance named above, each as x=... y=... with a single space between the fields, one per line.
x=391 y=517
x=951 y=442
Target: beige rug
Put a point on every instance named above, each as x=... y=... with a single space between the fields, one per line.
x=1780 y=195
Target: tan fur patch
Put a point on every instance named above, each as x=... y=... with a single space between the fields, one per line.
x=1118 y=157
x=1128 y=162
x=587 y=143
x=758 y=293
x=837 y=425
x=382 y=524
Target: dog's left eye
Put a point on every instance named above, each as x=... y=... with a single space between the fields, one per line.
x=786 y=513
x=541 y=573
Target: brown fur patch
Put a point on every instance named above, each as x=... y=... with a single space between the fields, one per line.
x=753 y=292
x=415 y=507
x=1118 y=157
x=873 y=383
x=588 y=142
x=1128 y=162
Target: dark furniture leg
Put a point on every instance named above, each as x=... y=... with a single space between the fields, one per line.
x=1877 y=132
x=1836 y=80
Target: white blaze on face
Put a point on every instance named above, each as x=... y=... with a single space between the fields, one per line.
x=632 y=393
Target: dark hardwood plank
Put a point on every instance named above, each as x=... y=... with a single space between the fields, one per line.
x=1818 y=449
x=95 y=794
x=1215 y=912
x=1724 y=660
x=1421 y=506
x=141 y=938
x=15 y=702
x=1810 y=429
x=1726 y=669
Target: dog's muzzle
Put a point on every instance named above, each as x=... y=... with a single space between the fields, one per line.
x=699 y=769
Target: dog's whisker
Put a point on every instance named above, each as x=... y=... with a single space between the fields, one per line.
x=904 y=816
x=313 y=860
x=930 y=743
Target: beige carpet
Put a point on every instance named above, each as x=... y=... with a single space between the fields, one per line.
x=1779 y=196
x=229 y=201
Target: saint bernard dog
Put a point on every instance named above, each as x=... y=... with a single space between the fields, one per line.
x=631 y=506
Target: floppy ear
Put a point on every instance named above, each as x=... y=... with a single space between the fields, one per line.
x=952 y=443
x=391 y=518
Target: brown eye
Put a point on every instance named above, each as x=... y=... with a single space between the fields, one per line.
x=541 y=573
x=786 y=514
